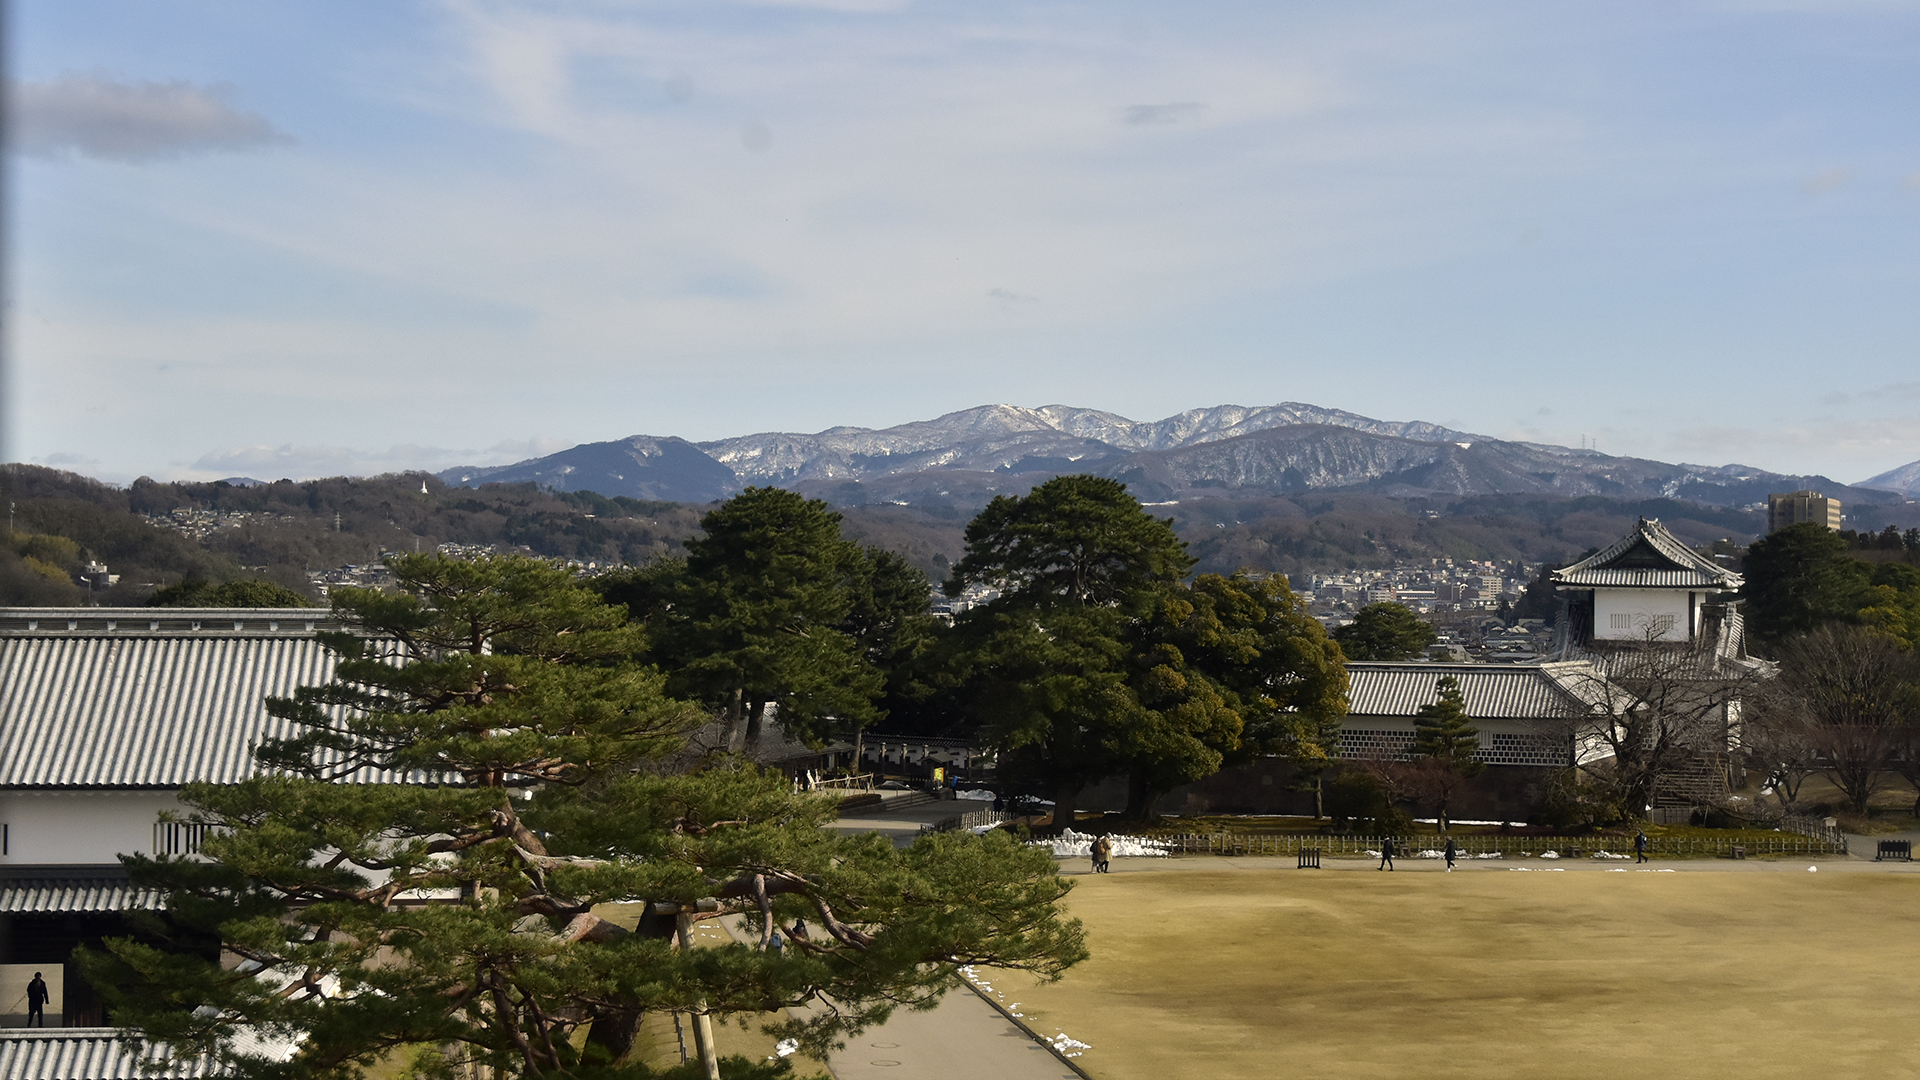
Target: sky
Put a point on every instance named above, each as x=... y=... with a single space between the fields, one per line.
x=303 y=238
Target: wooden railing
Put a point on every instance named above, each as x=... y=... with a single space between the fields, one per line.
x=862 y=782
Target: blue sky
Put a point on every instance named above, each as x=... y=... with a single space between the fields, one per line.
x=298 y=239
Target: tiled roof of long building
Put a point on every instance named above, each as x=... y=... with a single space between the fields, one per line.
x=47 y=889
x=84 y=1054
x=1649 y=557
x=142 y=710
x=1490 y=691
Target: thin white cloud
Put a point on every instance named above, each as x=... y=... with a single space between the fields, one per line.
x=65 y=460
x=133 y=122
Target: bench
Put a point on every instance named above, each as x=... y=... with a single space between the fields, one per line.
x=1894 y=849
x=1309 y=859
x=1739 y=851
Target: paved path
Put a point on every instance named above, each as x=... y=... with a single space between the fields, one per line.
x=962 y=1038
x=903 y=824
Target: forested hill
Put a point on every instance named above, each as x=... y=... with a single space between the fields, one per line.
x=154 y=534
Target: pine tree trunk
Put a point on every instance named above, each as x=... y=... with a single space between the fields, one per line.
x=1140 y=798
x=755 y=714
x=1065 y=794
x=735 y=720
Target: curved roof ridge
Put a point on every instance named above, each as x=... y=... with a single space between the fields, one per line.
x=1689 y=570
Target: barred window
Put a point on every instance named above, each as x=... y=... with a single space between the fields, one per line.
x=179 y=837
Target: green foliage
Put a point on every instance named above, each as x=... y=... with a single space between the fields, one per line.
x=1096 y=659
x=1076 y=541
x=1566 y=801
x=1050 y=664
x=1385 y=631
x=1891 y=603
x=520 y=692
x=1444 y=744
x=763 y=611
x=1443 y=733
x=37 y=570
x=198 y=592
x=1798 y=578
x=1270 y=662
x=1362 y=803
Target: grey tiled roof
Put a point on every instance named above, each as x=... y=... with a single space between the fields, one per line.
x=82 y=1054
x=144 y=711
x=1649 y=542
x=1490 y=691
x=48 y=890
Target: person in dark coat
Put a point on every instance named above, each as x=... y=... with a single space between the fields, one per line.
x=1102 y=851
x=1639 y=845
x=37 y=995
x=1386 y=854
x=1453 y=850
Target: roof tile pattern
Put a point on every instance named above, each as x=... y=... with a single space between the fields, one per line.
x=144 y=711
x=81 y=1054
x=1490 y=691
x=1684 y=569
x=52 y=894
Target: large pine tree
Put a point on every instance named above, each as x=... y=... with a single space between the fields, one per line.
x=463 y=858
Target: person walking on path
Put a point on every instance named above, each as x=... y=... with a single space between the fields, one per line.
x=1386 y=854
x=1453 y=850
x=1639 y=845
x=1102 y=851
x=37 y=996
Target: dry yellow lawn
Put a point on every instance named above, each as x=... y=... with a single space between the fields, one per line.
x=1215 y=973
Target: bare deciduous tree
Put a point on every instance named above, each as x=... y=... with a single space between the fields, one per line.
x=1646 y=710
x=1851 y=691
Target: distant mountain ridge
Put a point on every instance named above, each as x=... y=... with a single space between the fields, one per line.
x=964 y=458
x=1904 y=480
x=640 y=467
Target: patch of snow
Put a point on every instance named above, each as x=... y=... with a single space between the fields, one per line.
x=1075 y=845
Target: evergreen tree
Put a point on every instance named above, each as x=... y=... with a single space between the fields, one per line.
x=1385 y=631
x=461 y=917
x=1444 y=744
x=1798 y=578
x=757 y=615
x=1050 y=665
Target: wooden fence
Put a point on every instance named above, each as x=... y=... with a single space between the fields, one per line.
x=1225 y=843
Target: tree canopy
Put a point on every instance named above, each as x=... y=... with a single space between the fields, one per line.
x=1799 y=577
x=1075 y=541
x=199 y=592
x=759 y=614
x=1385 y=631
x=424 y=868
x=1096 y=660
x=1445 y=748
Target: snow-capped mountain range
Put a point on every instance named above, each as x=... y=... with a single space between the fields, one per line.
x=964 y=458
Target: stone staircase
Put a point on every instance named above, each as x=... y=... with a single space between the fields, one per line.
x=900 y=800
x=1701 y=781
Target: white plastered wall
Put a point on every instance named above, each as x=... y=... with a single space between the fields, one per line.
x=1639 y=610
x=80 y=828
